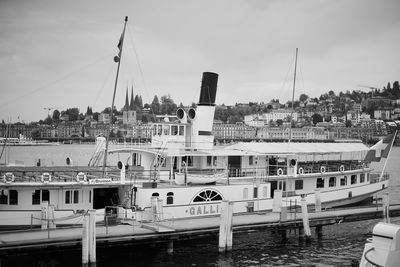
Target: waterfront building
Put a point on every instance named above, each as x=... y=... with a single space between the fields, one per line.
x=231 y=131
x=70 y=129
x=104 y=118
x=382 y=113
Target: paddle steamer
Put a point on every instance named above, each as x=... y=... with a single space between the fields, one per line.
x=183 y=174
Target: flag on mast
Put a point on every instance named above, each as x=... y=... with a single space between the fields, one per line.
x=380 y=149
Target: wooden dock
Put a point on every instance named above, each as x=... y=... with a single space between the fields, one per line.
x=132 y=232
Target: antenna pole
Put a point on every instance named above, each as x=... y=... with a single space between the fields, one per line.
x=120 y=46
x=294 y=87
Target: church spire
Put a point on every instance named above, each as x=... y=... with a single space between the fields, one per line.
x=131 y=106
x=126 y=107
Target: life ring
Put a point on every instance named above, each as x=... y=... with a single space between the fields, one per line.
x=301 y=171
x=341 y=168
x=81 y=177
x=323 y=169
x=8 y=177
x=280 y=172
x=46 y=177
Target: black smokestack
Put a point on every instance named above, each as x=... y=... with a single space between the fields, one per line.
x=208 y=89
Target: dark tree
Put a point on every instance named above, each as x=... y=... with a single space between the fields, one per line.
x=167 y=105
x=73 y=113
x=96 y=116
x=56 y=115
x=316 y=118
x=155 y=105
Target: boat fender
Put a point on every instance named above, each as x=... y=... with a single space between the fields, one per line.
x=301 y=170
x=323 y=169
x=46 y=177
x=9 y=177
x=81 y=177
x=280 y=171
x=341 y=168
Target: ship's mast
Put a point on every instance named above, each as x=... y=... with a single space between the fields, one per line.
x=116 y=59
x=294 y=87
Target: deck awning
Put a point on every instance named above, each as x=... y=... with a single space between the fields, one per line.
x=307 y=151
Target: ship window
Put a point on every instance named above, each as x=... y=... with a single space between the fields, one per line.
x=320 y=182
x=4 y=197
x=188 y=160
x=45 y=195
x=166 y=129
x=255 y=192
x=353 y=179
x=215 y=161
x=76 y=196
x=181 y=130
x=36 y=197
x=155 y=195
x=367 y=177
x=251 y=160
x=245 y=193
x=170 y=198
x=174 y=130
x=90 y=196
x=207 y=195
x=332 y=181
x=136 y=159
x=67 y=197
x=209 y=159
x=13 y=197
x=298 y=184
x=362 y=177
x=343 y=181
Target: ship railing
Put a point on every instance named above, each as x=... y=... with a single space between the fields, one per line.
x=205 y=171
x=77 y=174
x=375 y=177
x=155 y=219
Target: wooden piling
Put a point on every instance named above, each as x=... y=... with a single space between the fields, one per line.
x=85 y=241
x=318 y=230
x=318 y=205
x=92 y=236
x=277 y=203
x=44 y=216
x=385 y=206
x=304 y=213
x=225 y=227
x=170 y=248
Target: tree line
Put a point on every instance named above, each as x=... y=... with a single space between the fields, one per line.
x=227 y=114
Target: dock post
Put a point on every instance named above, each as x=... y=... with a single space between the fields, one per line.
x=225 y=227
x=170 y=248
x=85 y=241
x=50 y=217
x=385 y=206
x=283 y=233
x=304 y=213
x=277 y=203
x=318 y=230
x=229 y=236
x=92 y=236
x=44 y=217
x=154 y=202
x=317 y=200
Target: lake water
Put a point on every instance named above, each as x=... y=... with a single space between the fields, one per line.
x=339 y=245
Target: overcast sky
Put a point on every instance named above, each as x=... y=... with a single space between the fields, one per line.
x=59 y=54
